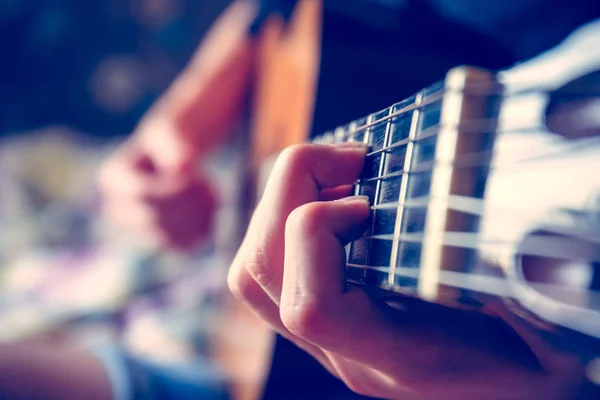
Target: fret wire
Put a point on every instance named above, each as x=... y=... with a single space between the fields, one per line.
x=366 y=139
x=412 y=203
x=477 y=127
x=470 y=240
x=506 y=166
x=374 y=267
x=439 y=95
x=407 y=237
x=425 y=134
x=479 y=159
x=543 y=247
x=401 y=271
x=386 y=149
x=387 y=138
x=432 y=98
x=382 y=177
x=404 y=188
x=464 y=204
x=497 y=286
x=476 y=282
x=437 y=128
x=368 y=132
x=429 y=132
x=467 y=240
x=359 y=184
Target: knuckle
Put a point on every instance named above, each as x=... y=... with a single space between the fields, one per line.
x=307 y=219
x=241 y=285
x=257 y=265
x=249 y=275
x=304 y=319
x=295 y=157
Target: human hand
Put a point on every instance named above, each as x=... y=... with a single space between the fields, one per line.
x=151 y=188
x=150 y=185
x=290 y=271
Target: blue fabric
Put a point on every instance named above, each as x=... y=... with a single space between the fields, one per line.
x=133 y=378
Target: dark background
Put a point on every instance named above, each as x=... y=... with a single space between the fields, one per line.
x=92 y=65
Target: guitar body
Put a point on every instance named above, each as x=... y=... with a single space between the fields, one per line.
x=283 y=93
x=484 y=188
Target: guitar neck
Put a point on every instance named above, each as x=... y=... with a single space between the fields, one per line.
x=429 y=157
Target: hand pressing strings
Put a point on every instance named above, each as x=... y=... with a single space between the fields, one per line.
x=290 y=271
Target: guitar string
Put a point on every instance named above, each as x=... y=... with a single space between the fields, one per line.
x=488 y=284
x=542 y=246
x=437 y=98
x=466 y=159
x=468 y=127
x=474 y=159
x=472 y=126
x=467 y=205
x=481 y=159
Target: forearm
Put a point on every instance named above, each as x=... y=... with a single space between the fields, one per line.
x=36 y=371
x=204 y=102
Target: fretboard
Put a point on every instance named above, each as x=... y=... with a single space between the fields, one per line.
x=423 y=152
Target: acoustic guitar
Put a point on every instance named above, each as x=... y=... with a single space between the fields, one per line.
x=484 y=187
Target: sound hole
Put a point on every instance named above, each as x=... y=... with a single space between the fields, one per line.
x=563 y=268
x=574 y=109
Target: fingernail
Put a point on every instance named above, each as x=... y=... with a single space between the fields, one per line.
x=356 y=199
x=355 y=146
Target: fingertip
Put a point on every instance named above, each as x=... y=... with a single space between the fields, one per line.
x=360 y=199
x=352 y=149
x=346 y=219
x=357 y=204
x=356 y=146
x=331 y=194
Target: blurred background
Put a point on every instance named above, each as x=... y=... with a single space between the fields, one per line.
x=75 y=77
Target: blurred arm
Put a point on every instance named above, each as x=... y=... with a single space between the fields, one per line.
x=203 y=103
x=34 y=371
